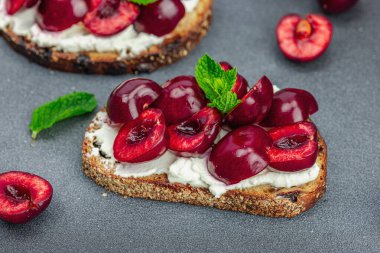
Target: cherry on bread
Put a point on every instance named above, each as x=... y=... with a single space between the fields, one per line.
x=23 y=196
x=110 y=17
x=289 y=106
x=180 y=98
x=254 y=105
x=239 y=155
x=304 y=39
x=142 y=139
x=131 y=98
x=195 y=136
x=294 y=147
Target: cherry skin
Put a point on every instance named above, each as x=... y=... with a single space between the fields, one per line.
x=160 y=18
x=290 y=106
x=128 y=100
x=13 y=6
x=304 y=39
x=58 y=15
x=239 y=155
x=241 y=84
x=23 y=196
x=30 y=3
x=142 y=139
x=110 y=17
x=195 y=136
x=254 y=106
x=336 y=6
x=294 y=147
x=181 y=97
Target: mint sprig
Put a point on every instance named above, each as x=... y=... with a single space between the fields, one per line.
x=67 y=106
x=142 y=2
x=217 y=84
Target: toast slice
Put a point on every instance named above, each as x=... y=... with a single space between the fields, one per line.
x=176 y=45
x=261 y=200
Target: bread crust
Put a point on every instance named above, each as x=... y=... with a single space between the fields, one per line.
x=262 y=200
x=178 y=44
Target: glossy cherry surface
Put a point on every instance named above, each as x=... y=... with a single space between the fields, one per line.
x=110 y=17
x=142 y=139
x=304 y=39
x=254 y=106
x=289 y=106
x=181 y=97
x=240 y=154
x=30 y=3
x=241 y=84
x=336 y=6
x=130 y=98
x=195 y=135
x=23 y=196
x=160 y=17
x=58 y=15
x=294 y=147
x=13 y=6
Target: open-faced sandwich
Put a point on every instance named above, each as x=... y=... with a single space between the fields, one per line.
x=208 y=140
x=104 y=36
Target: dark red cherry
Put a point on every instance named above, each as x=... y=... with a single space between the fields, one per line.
x=290 y=106
x=180 y=99
x=241 y=84
x=13 y=6
x=336 y=6
x=304 y=39
x=160 y=18
x=131 y=98
x=240 y=154
x=294 y=147
x=195 y=135
x=142 y=139
x=23 y=196
x=110 y=17
x=58 y=15
x=254 y=106
x=93 y=4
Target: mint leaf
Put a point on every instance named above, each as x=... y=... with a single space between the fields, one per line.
x=142 y=2
x=67 y=106
x=216 y=83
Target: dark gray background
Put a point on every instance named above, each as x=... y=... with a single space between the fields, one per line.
x=346 y=82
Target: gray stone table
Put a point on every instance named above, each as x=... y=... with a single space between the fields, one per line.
x=346 y=82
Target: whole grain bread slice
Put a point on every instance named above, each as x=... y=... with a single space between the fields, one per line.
x=261 y=200
x=176 y=45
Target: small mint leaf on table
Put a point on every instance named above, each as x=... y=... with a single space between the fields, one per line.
x=142 y=2
x=217 y=84
x=67 y=106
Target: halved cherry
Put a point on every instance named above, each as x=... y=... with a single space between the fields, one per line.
x=23 y=196
x=195 y=135
x=304 y=39
x=239 y=155
x=254 y=106
x=294 y=147
x=111 y=17
x=141 y=139
x=241 y=84
x=289 y=106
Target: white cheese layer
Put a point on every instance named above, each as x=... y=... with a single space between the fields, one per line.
x=76 y=39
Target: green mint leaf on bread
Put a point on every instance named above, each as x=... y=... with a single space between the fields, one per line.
x=142 y=2
x=67 y=106
x=217 y=84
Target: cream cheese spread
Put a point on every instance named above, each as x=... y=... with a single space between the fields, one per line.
x=192 y=171
x=76 y=39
